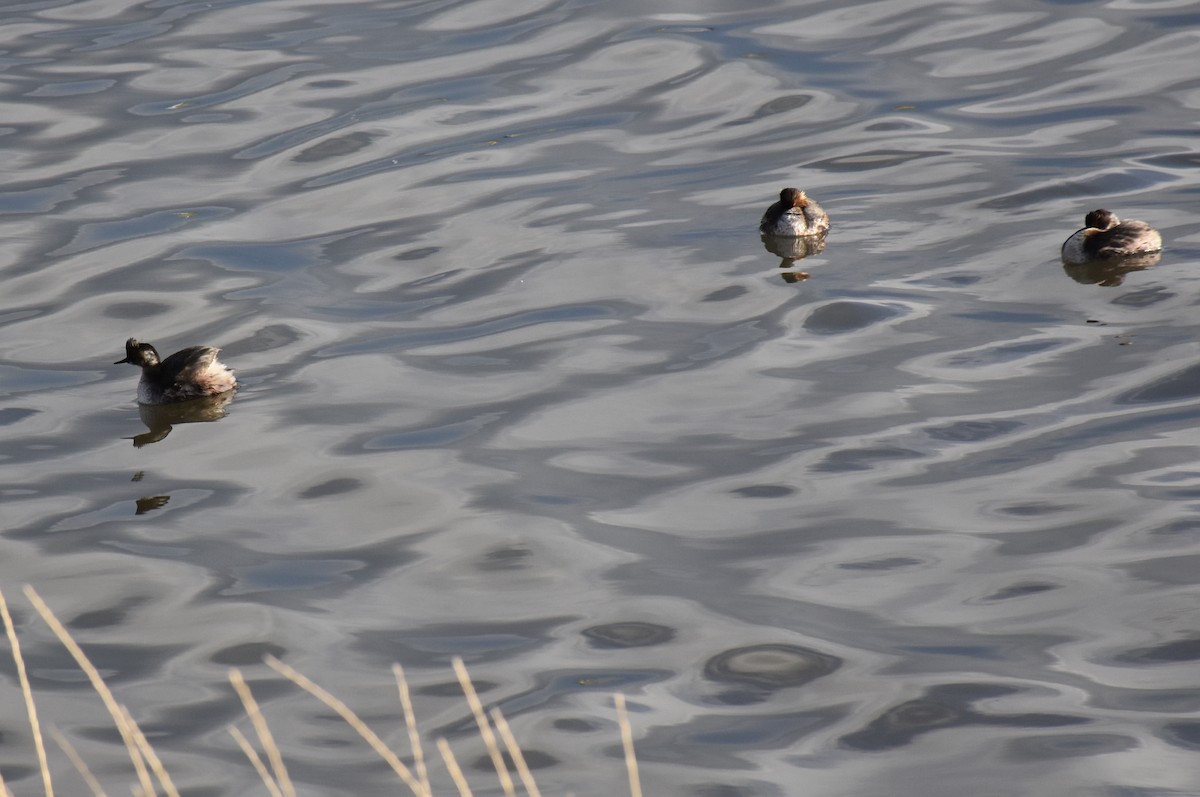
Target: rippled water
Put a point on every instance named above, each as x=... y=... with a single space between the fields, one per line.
x=521 y=383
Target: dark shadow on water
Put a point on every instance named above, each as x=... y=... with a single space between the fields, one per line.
x=942 y=707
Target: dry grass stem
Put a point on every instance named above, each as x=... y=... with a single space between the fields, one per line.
x=456 y=773
x=272 y=771
x=98 y=685
x=414 y=736
x=30 y=708
x=351 y=719
x=631 y=765
x=263 y=732
x=485 y=729
x=145 y=782
x=156 y=765
x=255 y=761
x=77 y=760
x=514 y=752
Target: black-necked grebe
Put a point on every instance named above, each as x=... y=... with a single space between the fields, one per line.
x=1105 y=237
x=794 y=215
x=191 y=373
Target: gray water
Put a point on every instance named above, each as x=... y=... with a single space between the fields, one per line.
x=520 y=383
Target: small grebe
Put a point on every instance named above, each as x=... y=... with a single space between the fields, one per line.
x=793 y=216
x=191 y=373
x=1105 y=237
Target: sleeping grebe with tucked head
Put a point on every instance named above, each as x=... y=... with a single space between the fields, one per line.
x=1105 y=237
x=794 y=215
x=190 y=373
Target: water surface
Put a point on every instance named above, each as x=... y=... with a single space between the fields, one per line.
x=521 y=383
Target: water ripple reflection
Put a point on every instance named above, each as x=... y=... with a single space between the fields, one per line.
x=521 y=382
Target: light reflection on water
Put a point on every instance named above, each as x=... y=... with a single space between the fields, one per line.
x=521 y=382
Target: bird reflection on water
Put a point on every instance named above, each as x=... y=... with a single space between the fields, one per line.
x=1110 y=273
x=790 y=249
x=160 y=419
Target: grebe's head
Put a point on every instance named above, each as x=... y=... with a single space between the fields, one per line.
x=1101 y=219
x=793 y=198
x=140 y=354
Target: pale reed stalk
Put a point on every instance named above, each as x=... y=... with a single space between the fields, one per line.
x=351 y=719
x=485 y=729
x=101 y=688
x=456 y=773
x=631 y=765
x=414 y=736
x=255 y=761
x=77 y=760
x=514 y=752
x=263 y=731
x=30 y=708
x=156 y=764
x=279 y=784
